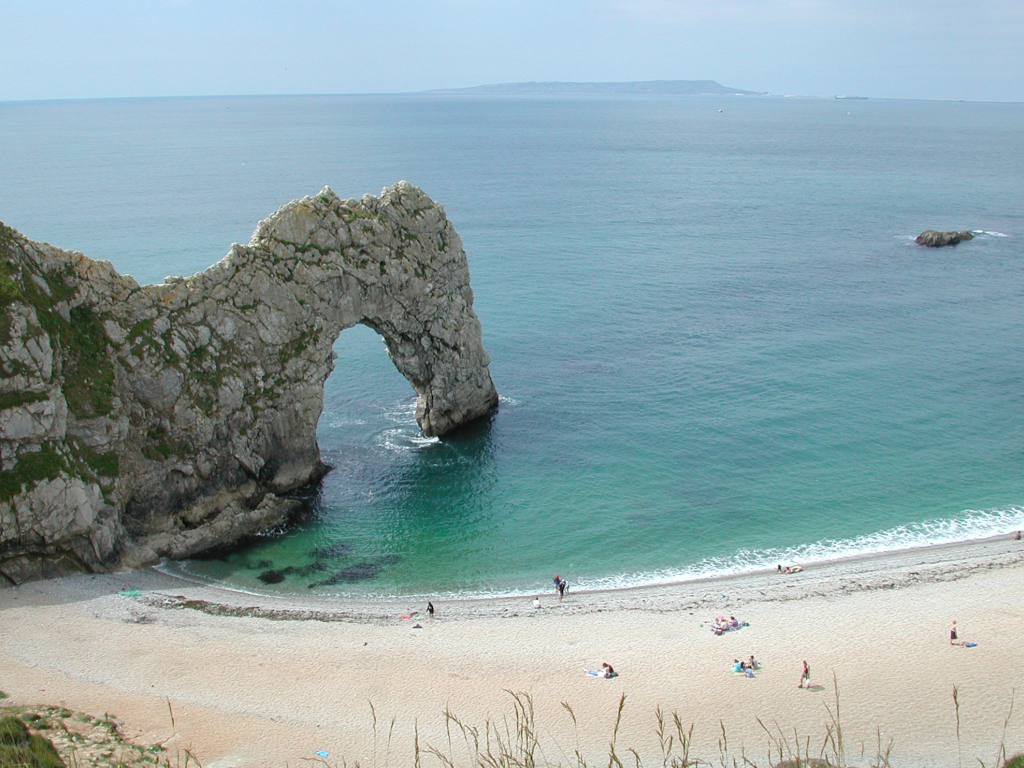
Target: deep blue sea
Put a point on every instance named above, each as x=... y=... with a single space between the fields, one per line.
x=716 y=344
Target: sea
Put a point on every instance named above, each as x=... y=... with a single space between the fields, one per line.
x=717 y=346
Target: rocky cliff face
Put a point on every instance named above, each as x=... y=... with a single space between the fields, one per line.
x=139 y=422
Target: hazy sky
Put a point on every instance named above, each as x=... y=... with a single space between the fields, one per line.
x=928 y=49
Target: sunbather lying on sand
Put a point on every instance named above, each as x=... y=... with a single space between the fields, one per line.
x=605 y=671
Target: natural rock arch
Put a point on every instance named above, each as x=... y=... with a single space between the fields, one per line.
x=170 y=416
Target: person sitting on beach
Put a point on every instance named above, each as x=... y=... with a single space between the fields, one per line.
x=752 y=664
x=733 y=624
x=737 y=665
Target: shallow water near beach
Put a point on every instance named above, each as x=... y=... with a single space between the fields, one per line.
x=716 y=344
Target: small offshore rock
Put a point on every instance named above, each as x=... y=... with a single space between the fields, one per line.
x=935 y=239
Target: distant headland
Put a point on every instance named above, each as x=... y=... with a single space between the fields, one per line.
x=677 y=87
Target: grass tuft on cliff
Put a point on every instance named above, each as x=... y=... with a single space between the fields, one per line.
x=21 y=749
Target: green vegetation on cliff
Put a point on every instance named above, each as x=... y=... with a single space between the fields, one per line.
x=20 y=749
x=79 y=339
x=82 y=360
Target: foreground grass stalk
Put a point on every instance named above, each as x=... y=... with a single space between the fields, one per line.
x=513 y=741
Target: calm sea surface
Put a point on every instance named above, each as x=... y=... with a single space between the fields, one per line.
x=716 y=344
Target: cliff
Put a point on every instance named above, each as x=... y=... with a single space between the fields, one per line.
x=139 y=422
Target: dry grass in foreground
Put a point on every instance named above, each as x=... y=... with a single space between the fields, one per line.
x=82 y=741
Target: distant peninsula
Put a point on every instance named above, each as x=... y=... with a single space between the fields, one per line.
x=677 y=87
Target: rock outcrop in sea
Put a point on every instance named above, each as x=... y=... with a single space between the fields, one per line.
x=140 y=422
x=934 y=239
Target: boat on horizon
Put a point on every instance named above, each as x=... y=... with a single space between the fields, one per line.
x=858 y=98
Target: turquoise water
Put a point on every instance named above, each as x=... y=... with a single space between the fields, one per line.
x=716 y=344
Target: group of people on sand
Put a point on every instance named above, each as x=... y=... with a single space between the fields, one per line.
x=789 y=569
x=721 y=625
x=560 y=586
x=745 y=667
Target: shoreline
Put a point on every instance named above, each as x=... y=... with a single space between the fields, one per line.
x=247 y=683
x=887 y=570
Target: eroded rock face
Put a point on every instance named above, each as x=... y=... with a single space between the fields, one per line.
x=934 y=239
x=139 y=422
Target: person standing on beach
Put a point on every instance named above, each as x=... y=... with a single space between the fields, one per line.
x=562 y=585
x=952 y=633
x=805 y=676
x=430 y=609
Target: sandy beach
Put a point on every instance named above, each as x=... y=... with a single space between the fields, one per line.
x=263 y=681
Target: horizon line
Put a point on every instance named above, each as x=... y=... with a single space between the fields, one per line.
x=455 y=91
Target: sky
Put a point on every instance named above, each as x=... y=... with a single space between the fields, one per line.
x=920 y=49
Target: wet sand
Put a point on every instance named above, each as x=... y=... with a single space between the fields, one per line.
x=267 y=681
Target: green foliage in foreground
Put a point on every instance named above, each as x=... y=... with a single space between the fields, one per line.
x=20 y=749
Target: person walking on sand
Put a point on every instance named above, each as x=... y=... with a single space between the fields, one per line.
x=952 y=633
x=430 y=610
x=805 y=676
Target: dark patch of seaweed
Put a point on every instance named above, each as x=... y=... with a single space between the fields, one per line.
x=358 y=572
x=272 y=577
x=337 y=551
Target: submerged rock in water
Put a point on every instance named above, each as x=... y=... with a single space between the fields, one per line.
x=934 y=239
x=272 y=577
x=335 y=551
x=309 y=570
x=140 y=422
x=354 y=573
